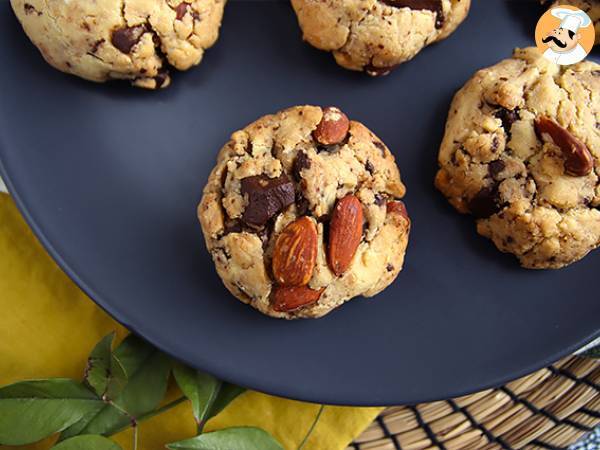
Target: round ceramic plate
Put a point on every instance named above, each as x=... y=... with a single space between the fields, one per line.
x=109 y=176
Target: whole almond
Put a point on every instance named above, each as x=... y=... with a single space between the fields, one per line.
x=333 y=127
x=290 y=298
x=345 y=233
x=295 y=253
x=578 y=159
x=398 y=207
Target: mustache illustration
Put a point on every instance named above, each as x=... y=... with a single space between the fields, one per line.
x=557 y=41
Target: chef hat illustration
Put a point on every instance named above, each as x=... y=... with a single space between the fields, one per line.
x=571 y=20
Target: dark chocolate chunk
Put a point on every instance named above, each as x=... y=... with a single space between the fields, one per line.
x=369 y=167
x=181 y=9
x=495 y=143
x=302 y=205
x=380 y=146
x=97 y=45
x=485 y=203
x=30 y=9
x=431 y=5
x=328 y=148
x=127 y=37
x=301 y=162
x=389 y=267
x=233 y=226
x=379 y=199
x=495 y=167
x=266 y=197
x=161 y=77
x=375 y=71
x=508 y=117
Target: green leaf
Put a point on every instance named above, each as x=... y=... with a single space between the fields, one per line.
x=593 y=352
x=33 y=410
x=200 y=388
x=87 y=442
x=147 y=372
x=208 y=395
x=104 y=372
x=243 y=438
x=229 y=392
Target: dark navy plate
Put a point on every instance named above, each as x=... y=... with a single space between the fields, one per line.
x=109 y=176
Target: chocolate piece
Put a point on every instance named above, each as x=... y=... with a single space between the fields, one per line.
x=369 y=167
x=328 y=148
x=379 y=199
x=508 y=117
x=127 y=37
x=181 y=10
x=30 y=9
x=431 y=5
x=578 y=159
x=161 y=77
x=266 y=197
x=485 y=203
x=301 y=162
x=375 y=71
x=495 y=167
x=97 y=45
x=302 y=206
x=380 y=146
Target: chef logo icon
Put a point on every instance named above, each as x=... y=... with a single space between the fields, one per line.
x=565 y=35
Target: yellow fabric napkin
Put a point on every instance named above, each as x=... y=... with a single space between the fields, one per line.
x=48 y=327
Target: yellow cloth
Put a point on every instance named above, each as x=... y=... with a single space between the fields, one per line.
x=48 y=327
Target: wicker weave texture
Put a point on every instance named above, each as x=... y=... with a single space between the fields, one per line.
x=549 y=409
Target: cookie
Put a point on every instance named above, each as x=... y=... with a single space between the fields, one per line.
x=302 y=213
x=136 y=40
x=520 y=153
x=590 y=7
x=374 y=36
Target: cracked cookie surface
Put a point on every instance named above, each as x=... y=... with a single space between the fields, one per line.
x=136 y=40
x=521 y=153
x=302 y=213
x=376 y=35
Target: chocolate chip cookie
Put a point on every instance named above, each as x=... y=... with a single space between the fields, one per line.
x=303 y=212
x=374 y=36
x=520 y=153
x=137 y=40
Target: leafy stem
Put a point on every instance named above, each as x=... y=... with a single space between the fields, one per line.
x=121 y=388
x=135 y=437
x=312 y=427
x=149 y=415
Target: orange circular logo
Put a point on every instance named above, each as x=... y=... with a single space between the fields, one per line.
x=565 y=35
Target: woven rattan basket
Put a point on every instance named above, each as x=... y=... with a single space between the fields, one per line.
x=549 y=409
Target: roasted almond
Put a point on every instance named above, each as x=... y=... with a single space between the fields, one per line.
x=398 y=207
x=295 y=253
x=290 y=298
x=345 y=233
x=333 y=127
x=578 y=159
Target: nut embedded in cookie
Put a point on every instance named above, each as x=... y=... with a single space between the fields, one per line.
x=520 y=154
x=301 y=213
x=375 y=36
x=139 y=41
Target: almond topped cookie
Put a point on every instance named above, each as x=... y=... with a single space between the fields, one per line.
x=303 y=213
x=136 y=40
x=374 y=36
x=521 y=154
